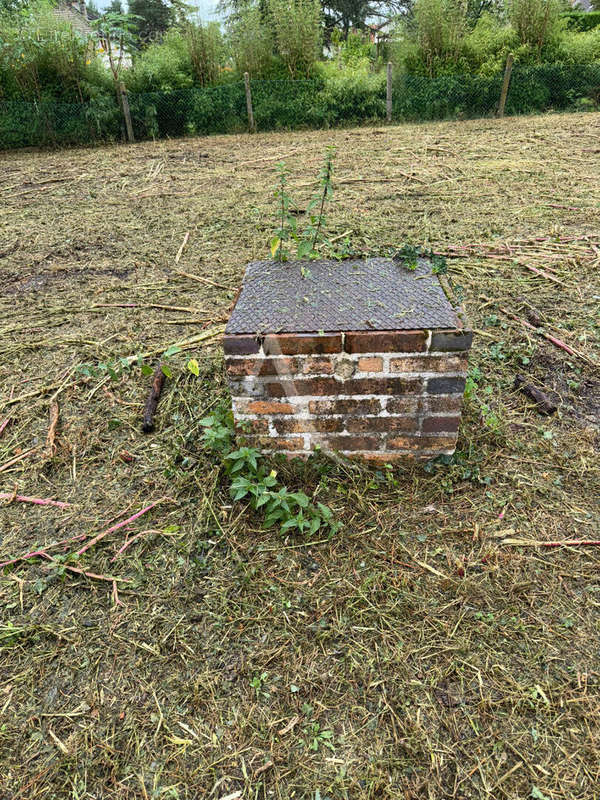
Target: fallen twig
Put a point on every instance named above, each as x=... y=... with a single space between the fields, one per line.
x=540 y=332
x=16 y=459
x=121 y=524
x=158 y=380
x=181 y=249
x=43 y=550
x=130 y=542
x=181 y=345
x=183 y=309
x=77 y=571
x=558 y=543
x=38 y=501
x=51 y=437
x=202 y=280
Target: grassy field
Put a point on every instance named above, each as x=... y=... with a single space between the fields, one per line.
x=419 y=653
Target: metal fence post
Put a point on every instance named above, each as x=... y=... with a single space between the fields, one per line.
x=505 y=84
x=251 y=123
x=389 y=92
x=126 y=112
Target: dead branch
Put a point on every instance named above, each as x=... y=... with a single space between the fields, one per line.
x=152 y=402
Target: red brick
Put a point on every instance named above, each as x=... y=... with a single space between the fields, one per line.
x=404 y=443
x=422 y=443
x=381 y=424
x=429 y=364
x=240 y=345
x=386 y=342
x=316 y=365
x=382 y=386
x=371 y=406
x=298 y=343
x=381 y=458
x=248 y=426
x=441 y=424
x=331 y=386
x=370 y=364
x=319 y=425
x=275 y=442
x=237 y=367
x=439 y=405
x=351 y=442
x=402 y=405
x=451 y=340
x=445 y=385
x=269 y=407
x=305 y=386
x=442 y=442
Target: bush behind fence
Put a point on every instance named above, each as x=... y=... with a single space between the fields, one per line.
x=285 y=104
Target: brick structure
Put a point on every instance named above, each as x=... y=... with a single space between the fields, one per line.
x=366 y=358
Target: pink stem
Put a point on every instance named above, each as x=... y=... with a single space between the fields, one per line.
x=37 y=500
x=35 y=553
x=4 y=424
x=128 y=542
x=85 y=572
x=116 y=527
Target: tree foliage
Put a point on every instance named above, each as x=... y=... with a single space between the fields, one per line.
x=297 y=32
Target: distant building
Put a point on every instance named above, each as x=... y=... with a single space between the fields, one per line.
x=581 y=5
x=76 y=13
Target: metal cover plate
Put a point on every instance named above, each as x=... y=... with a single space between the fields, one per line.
x=373 y=294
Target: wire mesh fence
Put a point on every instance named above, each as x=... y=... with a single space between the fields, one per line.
x=286 y=104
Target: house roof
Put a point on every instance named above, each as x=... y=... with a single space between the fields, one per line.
x=71 y=13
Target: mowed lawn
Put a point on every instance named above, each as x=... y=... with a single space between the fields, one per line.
x=430 y=649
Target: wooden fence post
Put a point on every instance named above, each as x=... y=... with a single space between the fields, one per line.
x=251 y=124
x=126 y=112
x=505 y=84
x=389 y=92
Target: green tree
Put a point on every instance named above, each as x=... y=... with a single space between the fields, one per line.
x=537 y=23
x=156 y=17
x=206 y=49
x=251 y=41
x=440 y=27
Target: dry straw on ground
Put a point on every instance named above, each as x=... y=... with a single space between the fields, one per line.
x=415 y=655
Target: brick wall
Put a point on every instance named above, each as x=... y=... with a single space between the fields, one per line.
x=381 y=395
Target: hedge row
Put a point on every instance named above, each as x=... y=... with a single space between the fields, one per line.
x=297 y=104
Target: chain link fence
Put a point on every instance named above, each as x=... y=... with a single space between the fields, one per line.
x=283 y=104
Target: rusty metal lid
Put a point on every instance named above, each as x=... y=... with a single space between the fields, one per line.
x=373 y=294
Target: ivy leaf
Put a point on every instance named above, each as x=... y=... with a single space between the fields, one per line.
x=193 y=367
x=146 y=369
x=166 y=371
x=170 y=351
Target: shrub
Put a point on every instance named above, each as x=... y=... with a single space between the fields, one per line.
x=161 y=67
x=251 y=44
x=298 y=34
x=580 y=48
x=43 y=57
x=186 y=57
x=537 y=23
x=486 y=47
x=581 y=20
x=351 y=95
x=440 y=26
x=206 y=51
